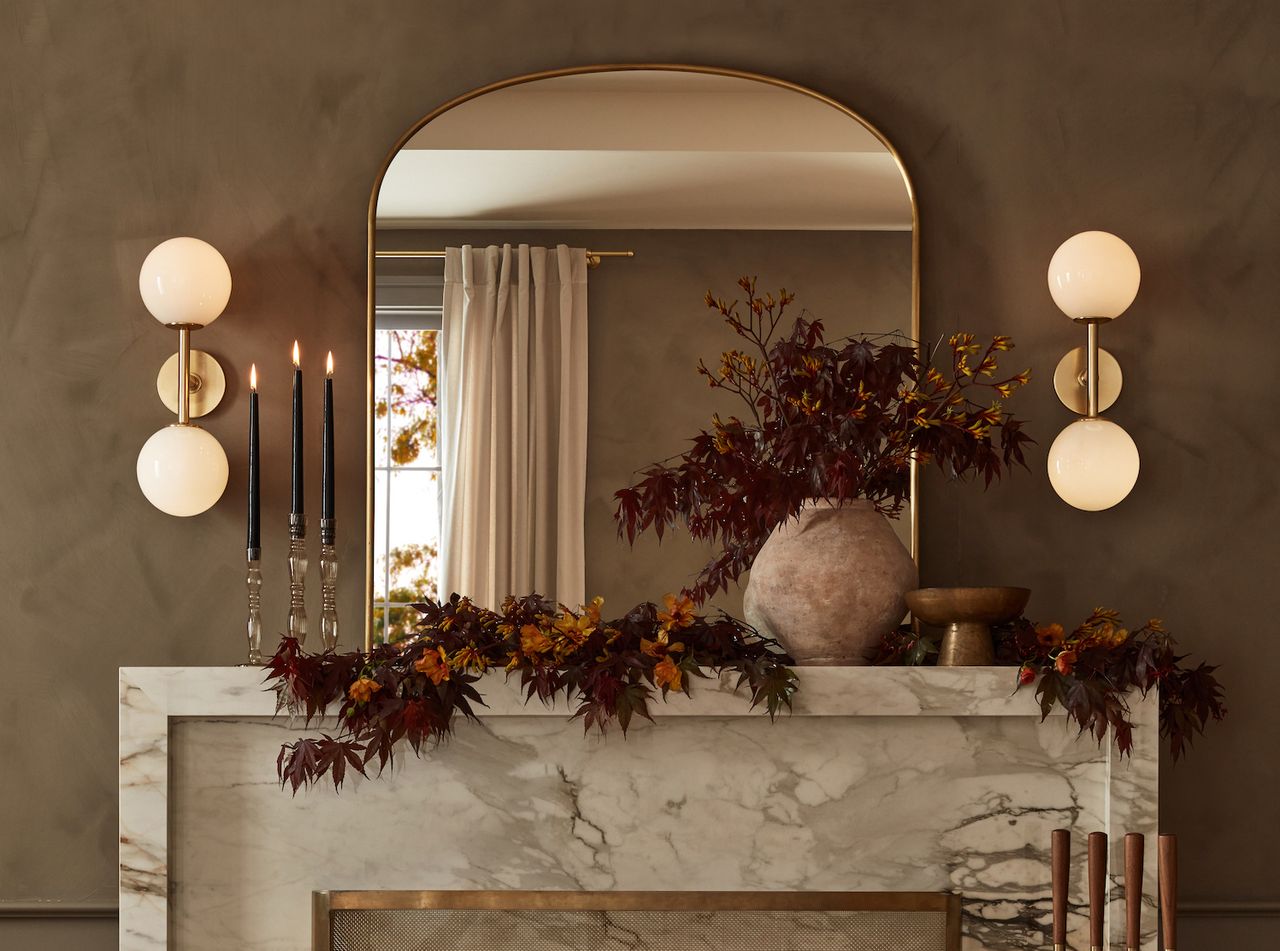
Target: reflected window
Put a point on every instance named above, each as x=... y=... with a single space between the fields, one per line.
x=407 y=482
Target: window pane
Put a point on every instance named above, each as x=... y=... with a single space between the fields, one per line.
x=414 y=549
x=381 y=377
x=394 y=623
x=411 y=360
x=379 y=534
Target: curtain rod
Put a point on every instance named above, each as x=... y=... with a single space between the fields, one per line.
x=593 y=257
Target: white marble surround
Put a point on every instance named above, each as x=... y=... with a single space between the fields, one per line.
x=881 y=779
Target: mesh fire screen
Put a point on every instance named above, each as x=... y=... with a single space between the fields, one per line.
x=636 y=921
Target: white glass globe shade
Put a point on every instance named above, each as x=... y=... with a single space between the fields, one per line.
x=1093 y=464
x=1094 y=274
x=182 y=470
x=185 y=281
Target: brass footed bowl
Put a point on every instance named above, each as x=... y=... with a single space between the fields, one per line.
x=967 y=615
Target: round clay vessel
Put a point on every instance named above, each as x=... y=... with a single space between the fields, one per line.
x=830 y=583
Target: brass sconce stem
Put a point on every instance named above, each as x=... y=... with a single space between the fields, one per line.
x=184 y=375
x=1091 y=369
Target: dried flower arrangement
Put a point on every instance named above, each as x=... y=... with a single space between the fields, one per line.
x=838 y=420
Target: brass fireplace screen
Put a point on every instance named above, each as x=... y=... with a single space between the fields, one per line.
x=635 y=921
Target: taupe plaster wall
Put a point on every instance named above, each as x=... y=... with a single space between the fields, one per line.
x=648 y=329
x=260 y=128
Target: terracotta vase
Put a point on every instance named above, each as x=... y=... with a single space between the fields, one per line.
x=830 y=583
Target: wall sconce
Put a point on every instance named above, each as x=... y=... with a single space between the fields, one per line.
x=1093 y=464
x=185 y=284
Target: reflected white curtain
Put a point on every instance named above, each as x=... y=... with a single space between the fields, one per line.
x=513 y=423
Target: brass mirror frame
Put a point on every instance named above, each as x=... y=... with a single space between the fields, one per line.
x=371 y=282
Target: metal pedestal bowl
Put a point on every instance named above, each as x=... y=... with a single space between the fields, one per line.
x=967 y=615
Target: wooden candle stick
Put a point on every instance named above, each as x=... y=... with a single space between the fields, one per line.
x=1134 y=843
x=1097 y=888
x=1061 y=871
x=1168 y=869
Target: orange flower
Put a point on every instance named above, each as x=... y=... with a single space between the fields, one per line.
x=576 y=628
x=433 y=663
x=533 y=640
x=679 y=612
x=363 y=689
x=666 y=674
x=1026 y=675
x=1066 y=662
x=658 y=647
x=1050 y=636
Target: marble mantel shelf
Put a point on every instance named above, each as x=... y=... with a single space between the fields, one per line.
x=824 y=691
x=213 y=854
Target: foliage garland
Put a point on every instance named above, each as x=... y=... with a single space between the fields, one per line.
x=1089 y=671
x=412 y=691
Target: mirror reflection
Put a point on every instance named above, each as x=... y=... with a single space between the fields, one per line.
x=517 y=386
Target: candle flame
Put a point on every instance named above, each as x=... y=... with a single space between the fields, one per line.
x=329 y=365
x=297 y=355
x=253 y=376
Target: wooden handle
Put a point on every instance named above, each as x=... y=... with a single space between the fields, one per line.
x=1168 y=869
x=1134 y=843
x=1097 y=886
x=1061 y=868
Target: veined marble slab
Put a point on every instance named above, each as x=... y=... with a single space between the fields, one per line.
x=882 y=779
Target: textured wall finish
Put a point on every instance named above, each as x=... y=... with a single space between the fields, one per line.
x=259 y=127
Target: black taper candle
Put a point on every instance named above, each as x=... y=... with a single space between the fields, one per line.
x=255 y=489
x=326 y=472
x=296 y=507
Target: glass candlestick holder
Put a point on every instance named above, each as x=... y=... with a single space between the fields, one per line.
x=298 y=577
x=253 y=627
x=328 y=586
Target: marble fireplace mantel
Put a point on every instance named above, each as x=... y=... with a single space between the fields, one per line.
x=926 y=779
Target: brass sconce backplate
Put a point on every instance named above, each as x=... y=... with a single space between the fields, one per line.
x=1070 y=384
x=208 y=383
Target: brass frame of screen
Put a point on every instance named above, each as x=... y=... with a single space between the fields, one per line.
x=324 y=903
x=371 y=290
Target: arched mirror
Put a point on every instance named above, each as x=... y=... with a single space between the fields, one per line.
x=540 y=251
